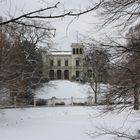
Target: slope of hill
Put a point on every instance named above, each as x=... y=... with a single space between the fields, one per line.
x=63 y=89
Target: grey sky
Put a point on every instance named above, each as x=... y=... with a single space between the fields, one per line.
x=82 y=25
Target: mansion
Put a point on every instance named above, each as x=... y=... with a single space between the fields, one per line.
x=65 y=65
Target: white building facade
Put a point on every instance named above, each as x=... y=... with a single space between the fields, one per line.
x=65 y=65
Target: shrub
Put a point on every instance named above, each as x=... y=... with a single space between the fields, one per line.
x=61 y=103
x=80 y=104
x=41 y=102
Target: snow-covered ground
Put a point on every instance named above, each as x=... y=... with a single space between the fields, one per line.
x=63 y=89
x=62 y=123
x=66 y=89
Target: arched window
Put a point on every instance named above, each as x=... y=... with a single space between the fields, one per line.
x=73 y=50
x=51 y=74
x=59 y=75
x=77 y=51
x=66 y=74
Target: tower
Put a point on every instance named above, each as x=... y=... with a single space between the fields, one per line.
x=77 y=57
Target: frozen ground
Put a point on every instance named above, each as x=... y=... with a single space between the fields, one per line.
x=62 y=123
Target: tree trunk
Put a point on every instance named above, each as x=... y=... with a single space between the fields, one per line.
x=96 y=91
x=136 y=98
x=95 y=97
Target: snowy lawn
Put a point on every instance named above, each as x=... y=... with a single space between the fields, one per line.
x=67 y=92
x=63 y=89
x=62 y=123
x=66 y=89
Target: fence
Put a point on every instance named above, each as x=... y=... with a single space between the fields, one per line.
x=72 y=101
x=64 y=101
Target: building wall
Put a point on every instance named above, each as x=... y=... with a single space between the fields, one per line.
x=67 y=72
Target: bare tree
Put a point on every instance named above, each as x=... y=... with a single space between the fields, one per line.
x=45 y=13
x=95 y=68
x=116 y=134
x=21 y=60
x=126 y=86
x=122 y=12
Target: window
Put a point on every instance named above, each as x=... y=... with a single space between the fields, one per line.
x=77 y=74
x=66 y=63
x=77 y=51
x=51 y=63
x=77 y=62
x=59 y=74
x=58 y=63
x=81 y=51
x=66 y=74
x=51 y=74
x=73 y=50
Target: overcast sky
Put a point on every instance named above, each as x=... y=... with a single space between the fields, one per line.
x=85 y=24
